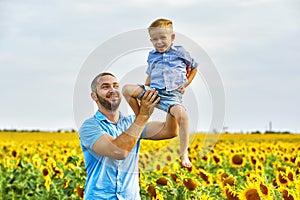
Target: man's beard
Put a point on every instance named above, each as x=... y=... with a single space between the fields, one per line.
x=107 y=105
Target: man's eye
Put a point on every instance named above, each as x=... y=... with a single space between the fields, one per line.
x=105 y=87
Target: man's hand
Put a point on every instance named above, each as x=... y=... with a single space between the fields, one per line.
x=148 y=102
x=118 y=148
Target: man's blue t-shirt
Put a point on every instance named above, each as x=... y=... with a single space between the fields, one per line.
x=108 y=178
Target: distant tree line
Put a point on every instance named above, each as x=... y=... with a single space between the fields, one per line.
x=271 y=132
x=37 y=130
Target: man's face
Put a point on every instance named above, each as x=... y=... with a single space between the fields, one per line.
x=161 y=39
x=108 y=93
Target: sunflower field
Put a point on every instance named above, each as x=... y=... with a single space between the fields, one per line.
x=233 y=166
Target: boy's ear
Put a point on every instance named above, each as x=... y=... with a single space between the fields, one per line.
x=173 y=36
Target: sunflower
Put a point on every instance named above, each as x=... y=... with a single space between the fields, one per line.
x=281 y=179
x=66 y=183
x=262 y=157
x=253 y=159
x=230 y=180
x=151 y=191
x=190 y=183
x=157 y=166
x=45 y=172
x=221 y=175
x=162 y=181
x=253 y=149
x=259 y=167
x=252 y=176
x=290 y=174
x=166 y=170
x=168 y=158
x=237 y=160
x=205 y=158
x=14 y=153
x=297 y=162
x=79 y=191
x=249 y=192
x=205 y=197
x=230 y=193
x=58 y=172
x=48 y=183
x=174 y=177
x=205 y=176
x=217 y=159
x=288 y=194
x=264 y=190
x=36 y=161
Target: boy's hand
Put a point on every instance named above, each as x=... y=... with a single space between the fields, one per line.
x=182 y=88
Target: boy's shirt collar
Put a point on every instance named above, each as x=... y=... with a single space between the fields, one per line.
x=172 y=47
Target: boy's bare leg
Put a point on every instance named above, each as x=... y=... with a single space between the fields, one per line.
x=131 y=92
x=157 y=130
x=182 y=119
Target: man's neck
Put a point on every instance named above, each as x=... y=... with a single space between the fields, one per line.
x=111 y=115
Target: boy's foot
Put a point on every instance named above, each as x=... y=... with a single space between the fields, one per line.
x=185 y=161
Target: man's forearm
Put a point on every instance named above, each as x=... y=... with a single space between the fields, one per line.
x=129 y=137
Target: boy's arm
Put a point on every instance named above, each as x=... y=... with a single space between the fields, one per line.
x=147 y=82
x=190 y=76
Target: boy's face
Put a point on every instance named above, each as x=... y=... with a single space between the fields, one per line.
x=161 y=38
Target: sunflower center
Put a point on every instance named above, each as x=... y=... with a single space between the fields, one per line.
x=252 y=195
x=263 y=189
x=237 y=159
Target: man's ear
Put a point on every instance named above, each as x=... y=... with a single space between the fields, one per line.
x=94 y=96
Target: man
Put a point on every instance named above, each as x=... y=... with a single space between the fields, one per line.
x=110 y=141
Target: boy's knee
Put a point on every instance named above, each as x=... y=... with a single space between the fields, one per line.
x=178 y=111
x=126 y=90
x=131 y=90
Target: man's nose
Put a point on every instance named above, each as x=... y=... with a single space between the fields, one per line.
x=112 y=89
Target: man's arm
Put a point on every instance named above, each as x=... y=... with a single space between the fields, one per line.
x=118 y=148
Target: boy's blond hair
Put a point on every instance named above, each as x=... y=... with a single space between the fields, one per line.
x=161 y=23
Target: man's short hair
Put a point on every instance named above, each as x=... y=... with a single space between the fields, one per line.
x=94 y=82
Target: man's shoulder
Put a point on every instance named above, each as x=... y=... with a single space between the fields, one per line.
x=90 y=122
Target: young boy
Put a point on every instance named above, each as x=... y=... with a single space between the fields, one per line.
x=167 y=73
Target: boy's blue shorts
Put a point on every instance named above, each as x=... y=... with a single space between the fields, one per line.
x=167 y=98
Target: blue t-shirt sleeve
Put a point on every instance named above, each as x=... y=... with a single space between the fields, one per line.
x=89 y=132
x=185 y=55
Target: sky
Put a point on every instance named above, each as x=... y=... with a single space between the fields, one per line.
x=254 y=46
